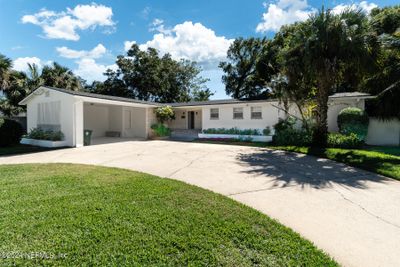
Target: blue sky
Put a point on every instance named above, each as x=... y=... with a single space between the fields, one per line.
x=87 y=36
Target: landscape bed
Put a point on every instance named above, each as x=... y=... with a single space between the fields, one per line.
x=88 y=215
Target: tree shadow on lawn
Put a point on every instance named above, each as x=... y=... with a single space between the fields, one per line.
x=293 y=169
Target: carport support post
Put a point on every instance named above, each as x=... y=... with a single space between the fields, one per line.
x=78 y=123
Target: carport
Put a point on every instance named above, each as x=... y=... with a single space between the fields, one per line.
x=72 y=112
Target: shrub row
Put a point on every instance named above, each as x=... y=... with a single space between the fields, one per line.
x=344 y=141
x=40 y=134
x=237 y=131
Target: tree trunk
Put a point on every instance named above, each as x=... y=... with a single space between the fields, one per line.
x=320 y=134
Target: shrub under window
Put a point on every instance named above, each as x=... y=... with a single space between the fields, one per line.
x=233 y=131
x=39 y=134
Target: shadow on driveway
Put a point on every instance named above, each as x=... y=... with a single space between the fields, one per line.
x=292 y=169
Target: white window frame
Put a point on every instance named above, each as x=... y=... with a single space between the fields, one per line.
x=238 y=110
x=214 y=111
x=253 y=112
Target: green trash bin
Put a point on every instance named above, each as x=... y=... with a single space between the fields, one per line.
x=87 y=136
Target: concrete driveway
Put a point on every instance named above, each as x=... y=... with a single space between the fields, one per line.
x=352 y=214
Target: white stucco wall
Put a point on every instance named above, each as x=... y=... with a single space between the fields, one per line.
x=96 y=118
x=383 y=132
x=270 y=116
x=182 y=120
x=115 y=118
x=137 y=125
x=68 y=106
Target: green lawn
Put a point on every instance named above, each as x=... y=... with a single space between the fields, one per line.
x=391 y=150
x=370 y=160
x=108 y=216
x=20 y=149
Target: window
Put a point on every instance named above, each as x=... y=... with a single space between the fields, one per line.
x=49 y=116
x=214 y=114
x=238 y=113
x=256 y=113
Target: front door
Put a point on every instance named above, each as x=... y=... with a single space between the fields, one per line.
x=191 y=120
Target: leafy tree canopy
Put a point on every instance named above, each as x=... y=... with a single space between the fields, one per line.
x=147 y=75
x=249 y=67
x=16 y=85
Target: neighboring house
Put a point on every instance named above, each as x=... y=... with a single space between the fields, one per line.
x=72 y=112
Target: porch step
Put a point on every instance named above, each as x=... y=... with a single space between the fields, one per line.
x=184 y=135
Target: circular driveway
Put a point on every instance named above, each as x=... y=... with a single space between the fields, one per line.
x=351 y=214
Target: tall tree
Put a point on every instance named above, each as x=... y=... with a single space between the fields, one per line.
x=385 y=82
x=59 y=76
x=249 y=67
x=16 y=85
x=147 y=75
x=327 y=42
x=5 y=67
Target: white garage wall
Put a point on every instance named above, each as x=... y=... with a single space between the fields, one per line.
x=96 y=118
x=66 y=114
x=137 y=127
x=115 y=118
x=383 y=132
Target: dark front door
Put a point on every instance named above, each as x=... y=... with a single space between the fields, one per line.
x=191 y=120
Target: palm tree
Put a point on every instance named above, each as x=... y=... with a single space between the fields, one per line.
x=59 y=76
x=5 y=67
x=327 y=42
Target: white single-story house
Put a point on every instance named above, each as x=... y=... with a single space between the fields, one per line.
x=71 y=112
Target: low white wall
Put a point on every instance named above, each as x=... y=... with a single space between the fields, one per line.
x=383 y=132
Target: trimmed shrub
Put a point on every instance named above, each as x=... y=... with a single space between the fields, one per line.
x=40 y=134
x=10 y=132
x=267 y=131
x=344 y=141
x=235 y=131
x=160 y=130
x=287 y=134
x=353 y=120
x=164 y=114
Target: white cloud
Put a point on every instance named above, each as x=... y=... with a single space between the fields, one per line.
x=158 y=26
x=96 y=52
x=91 y=71
x=21 y=63
x=128 y=45
x=64 y=25
x=284 y=12
x=191 y=41
x=364 y=6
